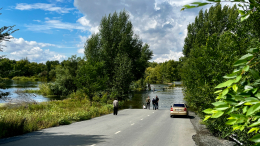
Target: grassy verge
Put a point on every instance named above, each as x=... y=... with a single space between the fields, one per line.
x=23 y=78
x=16 y=120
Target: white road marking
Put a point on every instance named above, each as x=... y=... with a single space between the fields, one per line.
x=93 y=145
x=148 y=115
x=141 y=119
x=117 y=132
x=132 y=124
x=153 y=112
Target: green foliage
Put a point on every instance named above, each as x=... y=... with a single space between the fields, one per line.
x=214 y=41
x=242 y=95
x=12 y=68
x=65 y=76
x=124 y=56
x=91 y=79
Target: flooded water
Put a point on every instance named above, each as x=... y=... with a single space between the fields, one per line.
x=166 y=97
x=13 y=85
x=137 y=99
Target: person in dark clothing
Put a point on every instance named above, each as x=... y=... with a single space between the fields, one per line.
x=154 y=104
x=148 y=102
x=157 y=101
x=115 y=104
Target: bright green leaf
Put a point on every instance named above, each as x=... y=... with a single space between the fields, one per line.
x=218 y=114
x=235 y=87
x=241 y=12
x=208 y=111
x=206 y=117
x=225 y=92
x=227 y=83
x=246 y=68
x=245 y=109
x=240 y=62
x=218 y=103
x=238 y=78
x=257 y=95
x=217 y=91
x=253 y=109
x=254 y=124
x=222 y=107
x=253 y=129
x=255 y=138
x=231 y=122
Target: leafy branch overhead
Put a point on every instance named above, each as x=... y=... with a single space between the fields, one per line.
x=249 y=7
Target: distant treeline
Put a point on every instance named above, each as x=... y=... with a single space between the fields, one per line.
x=11 y=68
x=165 y=72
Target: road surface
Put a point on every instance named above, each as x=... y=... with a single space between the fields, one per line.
x=131 y=127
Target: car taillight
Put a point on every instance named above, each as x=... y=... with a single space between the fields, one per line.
x=171 y=109
x=185 y=109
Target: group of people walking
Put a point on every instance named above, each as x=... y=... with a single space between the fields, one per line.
x=155 y=102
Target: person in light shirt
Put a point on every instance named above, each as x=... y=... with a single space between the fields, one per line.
x=115 y=104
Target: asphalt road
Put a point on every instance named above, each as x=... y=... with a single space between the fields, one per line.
x=131 y=127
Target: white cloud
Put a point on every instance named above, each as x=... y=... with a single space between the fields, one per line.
x=42 y=6
x=56 y=24
x=19 y=48
x=37 y=20
x=83 y=40
x=81 y=51
x=160 y=23
x=83 y=21
x=171 y=56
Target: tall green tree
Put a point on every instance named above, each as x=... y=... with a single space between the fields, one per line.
x=124 y=55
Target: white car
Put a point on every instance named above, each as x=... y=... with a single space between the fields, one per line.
x=179 y=109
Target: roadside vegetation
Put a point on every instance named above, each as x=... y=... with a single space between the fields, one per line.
x=16 y=120
x=221 y=52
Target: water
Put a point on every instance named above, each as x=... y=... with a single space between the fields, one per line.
x=137 y=99
x=14 y=85
x=166 y=97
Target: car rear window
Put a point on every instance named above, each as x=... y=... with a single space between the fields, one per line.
x=178 y=105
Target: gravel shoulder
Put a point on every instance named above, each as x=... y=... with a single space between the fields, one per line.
x=203 y=137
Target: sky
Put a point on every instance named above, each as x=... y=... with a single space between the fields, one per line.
x=58 y=29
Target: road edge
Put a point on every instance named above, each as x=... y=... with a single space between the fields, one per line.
x=203 y=137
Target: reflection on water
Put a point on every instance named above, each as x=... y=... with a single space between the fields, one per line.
x=166 y=97
x=14 y=85
x=137 y=99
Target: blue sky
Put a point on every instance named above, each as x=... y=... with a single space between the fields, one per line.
x=57 y=29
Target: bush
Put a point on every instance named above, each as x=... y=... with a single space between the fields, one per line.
x=45 y=89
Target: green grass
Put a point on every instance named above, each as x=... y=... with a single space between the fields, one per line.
x=23 y=78
x=16 y=120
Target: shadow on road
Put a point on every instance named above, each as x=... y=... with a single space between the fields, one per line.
x=39 y=139
x=184 y=117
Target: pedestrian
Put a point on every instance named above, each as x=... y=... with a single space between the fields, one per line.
x=154 y=104
x=148 y=102
x=157 y=101
x=115 y=104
